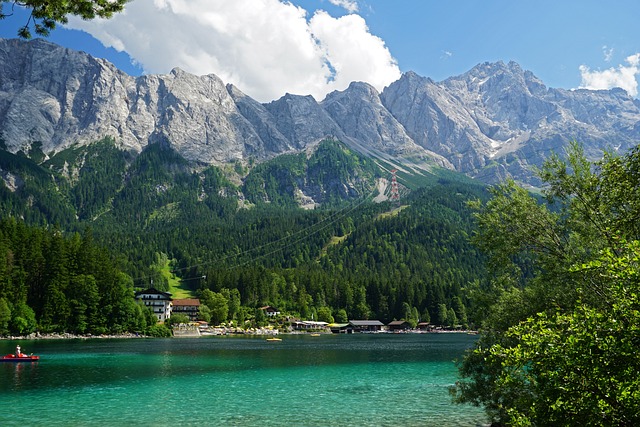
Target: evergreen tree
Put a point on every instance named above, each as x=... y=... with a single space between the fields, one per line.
x=5 y=316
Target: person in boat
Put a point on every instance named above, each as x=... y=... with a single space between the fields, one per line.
x=18 y=351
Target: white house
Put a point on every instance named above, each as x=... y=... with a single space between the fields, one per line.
x=159 y=301
x=270 y=311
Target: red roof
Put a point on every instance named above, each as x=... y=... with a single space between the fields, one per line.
x=186 y=302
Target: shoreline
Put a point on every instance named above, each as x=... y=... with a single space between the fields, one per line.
x=217 y=332
x=68 y=336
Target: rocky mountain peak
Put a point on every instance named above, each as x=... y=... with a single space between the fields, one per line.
x=302 y=120
x=495 y=120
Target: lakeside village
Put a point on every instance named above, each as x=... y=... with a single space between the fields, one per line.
x=163 y=306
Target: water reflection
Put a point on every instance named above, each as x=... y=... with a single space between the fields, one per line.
x=21 y=373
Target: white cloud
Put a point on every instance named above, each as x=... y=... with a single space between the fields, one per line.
x=352 y=52
x=623 y=77
x=265 y=47
x=350 y=6
x=608 y=53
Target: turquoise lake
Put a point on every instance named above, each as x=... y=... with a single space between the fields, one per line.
x=330 y=380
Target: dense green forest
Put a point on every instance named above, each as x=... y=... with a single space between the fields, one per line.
x=52 y=282
x=241 y=228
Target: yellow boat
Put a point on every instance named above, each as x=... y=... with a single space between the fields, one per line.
x=274 y=339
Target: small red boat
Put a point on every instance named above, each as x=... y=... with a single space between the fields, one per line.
x=19 y=358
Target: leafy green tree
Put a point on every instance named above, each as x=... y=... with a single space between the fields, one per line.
x=46 y=13
x=341 y=316
x=579 y=367
x=126 y=317
x=324 y=314
x=118 y=306
x=217 y=304
x=204 y=313
x=426 y=317
x=158 y=331
x=259 y=317
x=84 y=301
x=361 y=311
x=559 y=347
x=442 y=314
x=177 y=319
x=304 y=304
x=149 y=318
x=23 y=320
x=242 y=316
x=452 y=319
x=460 y=311
x=415 y=317
x=410 y=314
x=233 y=301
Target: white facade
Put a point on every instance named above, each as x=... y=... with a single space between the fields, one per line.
x=160 y=302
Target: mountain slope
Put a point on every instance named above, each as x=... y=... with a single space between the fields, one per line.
x=495 y=121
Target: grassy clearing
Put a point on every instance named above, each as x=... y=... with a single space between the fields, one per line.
x=334 y=241
x=392 y=212
x=178 y=289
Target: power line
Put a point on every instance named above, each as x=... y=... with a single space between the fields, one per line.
x=304 y=237
x=329 y=220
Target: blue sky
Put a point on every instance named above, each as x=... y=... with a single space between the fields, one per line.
x=270 y=47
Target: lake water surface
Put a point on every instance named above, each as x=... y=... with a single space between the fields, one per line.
x=330 y=380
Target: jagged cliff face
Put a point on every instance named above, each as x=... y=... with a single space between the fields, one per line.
x=364 y=119
x=498 y=120
x=494 y=121
x=60 y=97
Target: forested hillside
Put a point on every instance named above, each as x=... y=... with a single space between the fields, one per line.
x=51 y=282
x=243 y=230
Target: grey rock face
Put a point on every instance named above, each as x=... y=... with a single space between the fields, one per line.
x=302 y=120
x=262 y=121
x=494 y=121
x=497 y=120
x=60 y=97
x=360 y=114
x=57 y=96
x=437 y=121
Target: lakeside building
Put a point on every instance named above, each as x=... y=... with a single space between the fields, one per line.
x=187 y=306
x=305 y=325
x=399 y=325
x=355 y=326
x=159 y=301
x=340 y=328
x=366 y=325
x=270 y=311
x=425 y=326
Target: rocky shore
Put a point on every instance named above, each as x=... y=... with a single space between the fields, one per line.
x=68 y=336
x=203 y=332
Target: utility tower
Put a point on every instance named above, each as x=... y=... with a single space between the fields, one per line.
x=395 y=194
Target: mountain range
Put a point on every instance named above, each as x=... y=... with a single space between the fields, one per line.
x=492 y=122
